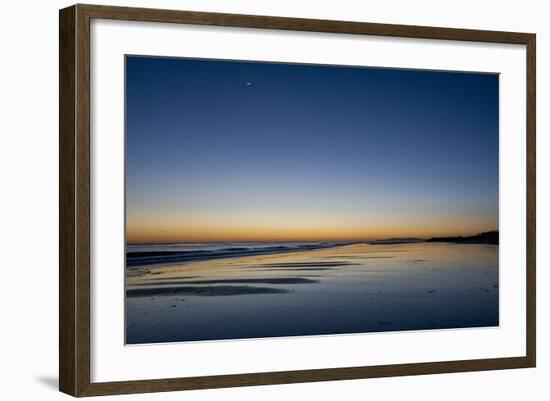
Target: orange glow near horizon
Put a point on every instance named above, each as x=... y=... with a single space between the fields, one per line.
x=297 y=227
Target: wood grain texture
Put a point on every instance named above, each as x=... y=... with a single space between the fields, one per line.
x=74 y=199
x=74 y=206
x=67 y=254
x=531 y=228
x=301 y=24
x=301 y=376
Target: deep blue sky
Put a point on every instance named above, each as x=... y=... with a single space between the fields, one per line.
x=222 y=150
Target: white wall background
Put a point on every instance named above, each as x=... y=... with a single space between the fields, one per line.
x=28 y=201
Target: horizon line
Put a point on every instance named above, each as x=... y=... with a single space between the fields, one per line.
x=424 y=238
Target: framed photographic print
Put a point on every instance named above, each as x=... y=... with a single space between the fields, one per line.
x=250 y=200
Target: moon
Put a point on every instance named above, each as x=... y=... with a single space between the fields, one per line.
x=248 y=83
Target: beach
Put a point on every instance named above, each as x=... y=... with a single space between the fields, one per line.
x=317 y=289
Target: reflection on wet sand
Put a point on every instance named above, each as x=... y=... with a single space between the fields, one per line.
x=354 y=288
x=219 y=290
x=280 y=280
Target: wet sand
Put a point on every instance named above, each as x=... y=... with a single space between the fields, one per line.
x=347 y=289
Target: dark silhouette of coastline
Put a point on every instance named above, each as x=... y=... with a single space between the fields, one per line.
x=489 y=237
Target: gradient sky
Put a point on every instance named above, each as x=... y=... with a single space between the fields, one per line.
x=243 y=151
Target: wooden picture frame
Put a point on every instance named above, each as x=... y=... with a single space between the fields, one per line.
x=74 y=204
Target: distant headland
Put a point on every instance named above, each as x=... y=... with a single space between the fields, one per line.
x=489 y=237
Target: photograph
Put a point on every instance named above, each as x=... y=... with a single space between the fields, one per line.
x=277 y=199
